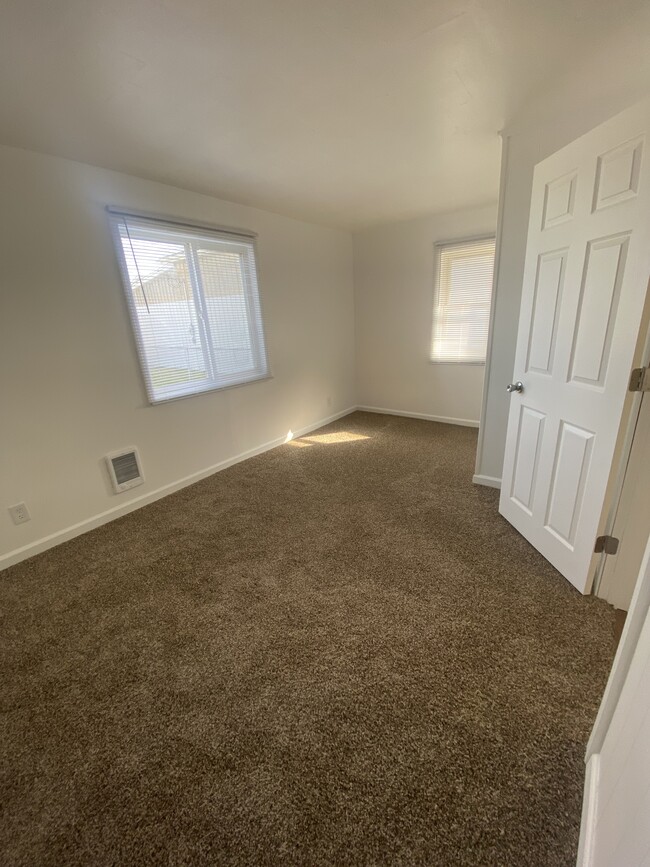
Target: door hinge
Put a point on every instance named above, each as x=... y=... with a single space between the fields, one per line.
x=606 y=545
x=640 y=379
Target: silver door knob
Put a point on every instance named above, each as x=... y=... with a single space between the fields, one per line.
x=515 y=386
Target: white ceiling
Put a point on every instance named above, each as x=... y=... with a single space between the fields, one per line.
x=348 y=112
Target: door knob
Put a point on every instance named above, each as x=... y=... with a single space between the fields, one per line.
x=515 y=386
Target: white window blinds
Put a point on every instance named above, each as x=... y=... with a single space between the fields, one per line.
x=194 y=304
x=461 y=310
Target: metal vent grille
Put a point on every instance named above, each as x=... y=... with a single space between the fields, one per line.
x=125 y=470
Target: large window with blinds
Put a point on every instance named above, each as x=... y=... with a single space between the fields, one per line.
x=461 y=305
x=194 y=302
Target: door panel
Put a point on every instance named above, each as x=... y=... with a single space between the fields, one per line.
x=585 y=279
x=601 y=286
x=531 y=427
x=548 y=297
x=618 y=174
x=570 y=470
x=559 y=199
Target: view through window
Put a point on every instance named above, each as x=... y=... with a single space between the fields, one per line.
x=194 y=305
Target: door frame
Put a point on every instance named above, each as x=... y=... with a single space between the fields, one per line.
x=622 y=452
x=634 y=623
x=478 y=478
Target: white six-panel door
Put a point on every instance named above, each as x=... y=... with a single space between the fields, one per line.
x=585 y=280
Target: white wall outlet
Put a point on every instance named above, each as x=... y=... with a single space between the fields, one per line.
x=19 y=513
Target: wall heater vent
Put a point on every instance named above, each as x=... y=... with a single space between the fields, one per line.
x=125 y=470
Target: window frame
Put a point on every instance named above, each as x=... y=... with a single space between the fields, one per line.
x=205 y=233
x=438 y=247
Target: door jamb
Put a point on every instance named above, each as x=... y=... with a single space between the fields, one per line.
x=505 y=147
x=631 y=631
x=620 y=667
x=626 y=438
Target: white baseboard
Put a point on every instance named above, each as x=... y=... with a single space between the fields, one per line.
x=464 y=422
x=40 y=545
x=488 y=481
x=588 y=821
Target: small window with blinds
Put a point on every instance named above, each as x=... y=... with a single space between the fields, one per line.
x=194 y=302
x=461 y=307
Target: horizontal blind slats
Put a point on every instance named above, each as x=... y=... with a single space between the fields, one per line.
x=194 y=304
x=462 y=301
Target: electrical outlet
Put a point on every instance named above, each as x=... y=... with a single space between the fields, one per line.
x=19 y=513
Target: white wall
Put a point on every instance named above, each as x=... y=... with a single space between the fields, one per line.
x=616 y=76
x=393 y=277
x=71 y=388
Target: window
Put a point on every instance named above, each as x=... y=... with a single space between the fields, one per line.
x=461 y=307
x=194 y=304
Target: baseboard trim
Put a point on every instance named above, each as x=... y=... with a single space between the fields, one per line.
x=463 y=422
x=488 y=481
x=40 y=545
x=588 y=821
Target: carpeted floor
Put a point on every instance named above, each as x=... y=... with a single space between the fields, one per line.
x=334 y=653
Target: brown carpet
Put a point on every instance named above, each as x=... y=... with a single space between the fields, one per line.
x=333 y=653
